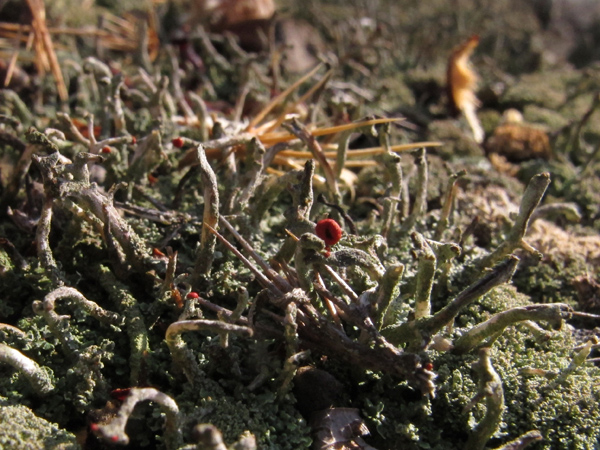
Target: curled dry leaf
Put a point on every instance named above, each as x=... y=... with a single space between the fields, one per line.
x=461 y=82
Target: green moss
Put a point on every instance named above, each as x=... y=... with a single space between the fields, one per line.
x=545 y=89
x=553 y=279
x=21 y=429
x=567 y=415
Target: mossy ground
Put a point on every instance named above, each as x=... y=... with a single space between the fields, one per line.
x=400 y=68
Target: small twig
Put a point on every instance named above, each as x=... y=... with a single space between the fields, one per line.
x=279 y=281
x=281 y=97
x=341 y=282
x=213 y=57
x=40 y=29
x=318 y=86
x=586 y=315
x=347 y=219
x=260 y=277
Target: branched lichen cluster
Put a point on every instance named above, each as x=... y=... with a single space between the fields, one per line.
x=161 y=253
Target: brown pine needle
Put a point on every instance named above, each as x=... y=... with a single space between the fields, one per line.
x=363 y=152
x=44 y=48
x=13 y=60
x=274 y=138
x=283 y=116
x=267 y=270
x=281 y=97
x=121 y=22
x=262 y=279
x=292 y=235
x=12 y=30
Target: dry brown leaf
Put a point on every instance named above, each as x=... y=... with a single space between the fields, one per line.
x=461 y=82
x=517 y=141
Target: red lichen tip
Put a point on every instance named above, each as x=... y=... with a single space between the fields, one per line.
x=157 y=253
x=114 y=438
x=120 y=394
x=94 y=426
x=133 y=140
x=106 y=149
x=193 y=295
x=177 y=142
x=329 y=230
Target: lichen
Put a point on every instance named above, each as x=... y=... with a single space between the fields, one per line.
x=162 y=245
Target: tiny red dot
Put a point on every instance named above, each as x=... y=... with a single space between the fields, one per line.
x=177 y=142
x=114 y=438
x=193 y=295
x=106 y=150
x=120 y=394
x=133 y=140
x=94 y=427
x=157 y=253
x=329 y=230
x=428 y=366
